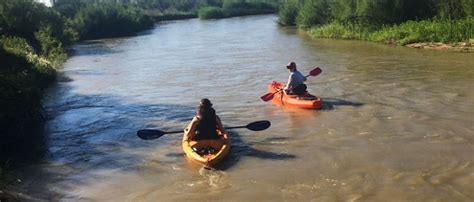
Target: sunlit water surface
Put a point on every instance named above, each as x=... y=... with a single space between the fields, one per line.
x=397 y=123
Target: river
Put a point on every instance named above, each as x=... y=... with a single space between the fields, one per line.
x=397 y=123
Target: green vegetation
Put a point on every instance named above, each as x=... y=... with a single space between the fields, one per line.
x=210 y=12
x=426 y=31
x=288 y=12
x=205 y=9
x=98 y=20
x=109 y=20
x=395 y=21
x=33 y=38
x=173 y=6
x=231 y=8
x=31 y=48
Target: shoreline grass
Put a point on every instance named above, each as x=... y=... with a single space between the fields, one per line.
x=444 y=31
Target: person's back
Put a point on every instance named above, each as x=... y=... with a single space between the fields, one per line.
x=206 y=125
x=295 y=84
x=296 y=79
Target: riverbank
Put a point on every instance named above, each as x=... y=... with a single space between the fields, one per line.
x=458 y=47
x=32 y=62
x=32 y=48
x=427 y=34
x=390 y=114
x=429 y=24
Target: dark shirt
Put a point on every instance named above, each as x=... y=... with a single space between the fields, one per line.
x=206 y=127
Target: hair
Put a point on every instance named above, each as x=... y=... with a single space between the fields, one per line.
x=207 y=124
x=205 y=109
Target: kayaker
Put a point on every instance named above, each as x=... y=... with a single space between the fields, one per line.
x=295 y=84
x=204 y=124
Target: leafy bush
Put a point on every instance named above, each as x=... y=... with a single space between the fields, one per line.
x=288 y=12
x=22 y=77
x=316 y=12
x=109 y=20
x=32 y=45
x=210 y=12
x=313 y=12
x=24 y=18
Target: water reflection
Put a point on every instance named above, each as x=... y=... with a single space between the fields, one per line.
x=97 y=47
x=332 y=103
x=242 y=149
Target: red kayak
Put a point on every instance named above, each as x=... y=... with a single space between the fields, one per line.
x=305 y=101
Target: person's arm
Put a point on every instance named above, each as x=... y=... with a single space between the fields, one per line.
x=219 y=124
x=290 y=80
x=190 y=131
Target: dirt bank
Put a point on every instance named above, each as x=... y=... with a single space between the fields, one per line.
x=458 y=47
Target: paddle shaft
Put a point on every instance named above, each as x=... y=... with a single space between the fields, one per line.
x=181 y=131
x=256 y=126
x=233 y=127
x=176 y=131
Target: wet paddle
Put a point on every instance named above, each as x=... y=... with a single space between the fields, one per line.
x=269 y=96
x=315 y=72
x=150 y=134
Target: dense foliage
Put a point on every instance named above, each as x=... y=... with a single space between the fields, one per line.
x=232 y=8
x=33 y=38
x=108 y=20
x=379 y=11
x=288 y=12
x=22 y=76
x=172 y=6
x=32 y=43
x=383 y=20
x=210 y=12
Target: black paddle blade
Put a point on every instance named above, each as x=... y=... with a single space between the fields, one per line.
x=258 y=125
x=150 y=134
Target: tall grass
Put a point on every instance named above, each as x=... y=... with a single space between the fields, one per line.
x=342 y=31
x=436 y=30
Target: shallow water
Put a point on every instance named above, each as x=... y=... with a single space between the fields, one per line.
x=397 y=123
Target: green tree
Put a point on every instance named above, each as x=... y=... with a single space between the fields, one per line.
x=314 y=12
x=288 y=12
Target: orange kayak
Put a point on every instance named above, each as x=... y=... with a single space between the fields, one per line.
x=305 y=101
x=207 y=152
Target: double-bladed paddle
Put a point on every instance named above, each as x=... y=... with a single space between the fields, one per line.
x=269 y=96
x=150 y=134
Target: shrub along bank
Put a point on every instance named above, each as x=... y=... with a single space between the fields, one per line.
x=33 y=38
x=397 y=22
x=237 y=8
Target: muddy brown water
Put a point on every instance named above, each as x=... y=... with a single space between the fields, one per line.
x=397 y=123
